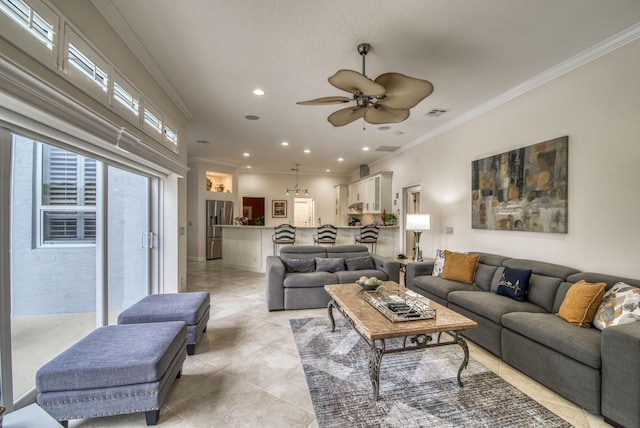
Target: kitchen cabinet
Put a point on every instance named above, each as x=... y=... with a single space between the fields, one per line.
x=374 y=193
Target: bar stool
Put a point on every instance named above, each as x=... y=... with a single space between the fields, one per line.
x=284 y=234
x=326 y=234
x=368 y=235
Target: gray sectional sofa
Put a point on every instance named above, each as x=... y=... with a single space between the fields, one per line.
x=296 y=280
x=598 y=370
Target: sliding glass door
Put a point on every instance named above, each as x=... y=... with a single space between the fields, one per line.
x=129 y=239
x=80 y=247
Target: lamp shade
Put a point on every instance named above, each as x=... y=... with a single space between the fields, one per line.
x=418 y=222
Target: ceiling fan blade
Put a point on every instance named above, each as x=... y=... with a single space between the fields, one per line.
x=381 y=115
x=403 y=92
x=354 y=82
x=325 y=100
x=346 y=115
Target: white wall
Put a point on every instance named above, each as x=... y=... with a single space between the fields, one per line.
x=597 y=106
x=197 y=195
x=273 y=186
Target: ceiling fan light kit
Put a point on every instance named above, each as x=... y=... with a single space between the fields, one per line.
x=387 y=99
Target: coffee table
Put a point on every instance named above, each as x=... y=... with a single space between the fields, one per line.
x=377 y=330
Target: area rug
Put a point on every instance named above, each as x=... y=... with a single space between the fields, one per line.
x=417 y=388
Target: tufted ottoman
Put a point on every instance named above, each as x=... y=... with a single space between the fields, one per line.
x=114 y=370
x=192 y=308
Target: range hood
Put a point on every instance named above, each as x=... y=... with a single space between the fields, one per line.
x=356 y=206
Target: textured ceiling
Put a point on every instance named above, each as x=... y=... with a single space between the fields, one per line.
x=214 y=53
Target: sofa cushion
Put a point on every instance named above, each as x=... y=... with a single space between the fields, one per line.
x=329 y=264
x=514 y=283
x=347 y=251
x=490 y=305
x=349 y=276
x=303 y=252
x=620 y=305
x=360 y=263
x=545 y=280
x=581 y=344
x=460 y=267
x=581 y=302
x=309 y=280
x=299 y=265
x=441 y=287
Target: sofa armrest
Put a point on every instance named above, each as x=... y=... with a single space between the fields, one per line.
x=275 y=283
x=621 y=374
x=388 y=266
x=415 y=269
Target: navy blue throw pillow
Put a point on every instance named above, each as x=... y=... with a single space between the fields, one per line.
x=514 y=283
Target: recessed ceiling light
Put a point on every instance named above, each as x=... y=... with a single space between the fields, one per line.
x=202 y=142
x=258 y=92
x=398 y=133
x=251 y=117
x=284 y=143
x=365 y=149
x=384 y=128
x=328 y=170
x=248 y=166
x=340 y=159
x=307 y=151
x=246 y=155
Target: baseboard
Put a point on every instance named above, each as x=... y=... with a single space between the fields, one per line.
x=196 y=259
x=612 y=423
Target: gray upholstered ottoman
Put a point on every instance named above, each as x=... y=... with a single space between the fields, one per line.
x=192 y=308
x=114 y=370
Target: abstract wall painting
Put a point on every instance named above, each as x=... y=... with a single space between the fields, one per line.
x=524 y=189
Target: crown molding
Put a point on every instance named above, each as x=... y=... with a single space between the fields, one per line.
x=606 y=46
x=119 y=25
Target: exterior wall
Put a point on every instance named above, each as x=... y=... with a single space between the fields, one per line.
x=63 y=279
x=597 y=106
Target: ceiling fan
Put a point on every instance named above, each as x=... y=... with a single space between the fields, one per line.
x=387 y=99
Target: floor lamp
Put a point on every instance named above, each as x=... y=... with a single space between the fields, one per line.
x=417 y=223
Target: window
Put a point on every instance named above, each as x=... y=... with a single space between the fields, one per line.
x=87 y=67
x=24 y=15
x=152 y=118
x=170 y=136
x=125 y=98
x=67 y=208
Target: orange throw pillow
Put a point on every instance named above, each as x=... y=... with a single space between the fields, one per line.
x=581 y=303
x=460 y=267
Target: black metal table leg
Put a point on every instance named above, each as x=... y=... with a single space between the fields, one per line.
x=330 y=306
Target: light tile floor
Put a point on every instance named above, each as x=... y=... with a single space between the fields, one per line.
x=246 y=371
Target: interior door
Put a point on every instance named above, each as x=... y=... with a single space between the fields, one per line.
x=412 y=202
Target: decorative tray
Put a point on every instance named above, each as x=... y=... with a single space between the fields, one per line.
x=398 y=305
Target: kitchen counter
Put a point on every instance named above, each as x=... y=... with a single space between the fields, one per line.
x=247 y=247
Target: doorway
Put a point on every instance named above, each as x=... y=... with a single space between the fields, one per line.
x=253 y=209
x=304 y=210
x=412 y=206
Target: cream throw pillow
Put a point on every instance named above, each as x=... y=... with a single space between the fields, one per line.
x=620 y=305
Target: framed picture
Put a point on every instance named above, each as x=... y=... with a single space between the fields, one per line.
x=279 y=209
x=524 y=189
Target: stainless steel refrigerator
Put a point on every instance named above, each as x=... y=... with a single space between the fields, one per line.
x=218 y=213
